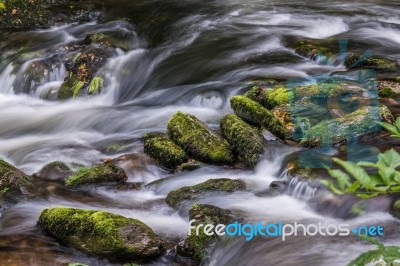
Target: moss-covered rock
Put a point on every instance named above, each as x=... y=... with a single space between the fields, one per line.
x=164 y=151
x=102 y=234
x=24 y=15
x=54 y=171
x=15 y=185
x=118 y=39
x=396 y=208
x=244 y=139
x=355 y=124
x=199 y=247
x=198 y=140
x=98 y=174
x=82 y=76
x=374 y=62
x=320 y=52
x=176 y=197
x=254 y=113
x=270 y=98
x=387 y=92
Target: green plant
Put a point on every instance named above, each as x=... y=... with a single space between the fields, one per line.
x=383 y=255
x=355 y=179
x=393 y=128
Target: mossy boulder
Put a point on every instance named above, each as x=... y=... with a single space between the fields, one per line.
x=164 y=151
x=396 y=208
x=15 y=185
x=199 y=247
x=118 y=39
x=319 y=52
x=388 y=92
x=98 y=174
x=82 y=76
x=102 y=234
x=270 y=98
x=245 y=140
x=198 y=140
x=195 y=192
x=54 y=171
x=374 y=62
x=255 y=114
x=355 y=124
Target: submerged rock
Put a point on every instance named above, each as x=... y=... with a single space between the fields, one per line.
x=164 y=151
x=15 y=185
x=254 y=113
x=200 y=246
x=245 y=140
x=198 y=140
x=176 y=197
x=82 y=69
x=374 y=62
x=355 y=124
x=102 y=234
x=117 y=38
x=99 y=174
x=54 y=171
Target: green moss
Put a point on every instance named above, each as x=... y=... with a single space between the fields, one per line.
x=374 y=62
x=164 y=151
x=98 y=174
x=198 y=140
x=254 y=113
x=314 y=51
x=100 y=233
x=396 y=209
x=358 y=123
x=175 y=197
x=270 y=98
x=70 y=87
x=245 y=140
x=387 y=93
x=95 y=85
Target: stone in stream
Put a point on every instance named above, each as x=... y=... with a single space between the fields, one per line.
x=54 y=171
x=198 y=140
x=377 y=63
x=245 y=140
x=98 y=174
x=164 y=151
x=122 y=39
x=355 y=124
x=200 y=246
x=16 y=186
x=255 y=114
x=82 y=77
x=103 y=234
x=195 y=192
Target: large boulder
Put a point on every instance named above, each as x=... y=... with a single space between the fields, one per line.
x=15 y=185
x=355 y=124
x=198 y=140
x=199 y=247
x=102 y=234
x=164 y=151
x=255 y=114
x=195 y=192
x=98 y=174
x=245 y=140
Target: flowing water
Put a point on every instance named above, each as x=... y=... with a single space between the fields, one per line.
x=190 y=56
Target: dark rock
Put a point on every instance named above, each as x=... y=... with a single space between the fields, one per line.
x=54 y=171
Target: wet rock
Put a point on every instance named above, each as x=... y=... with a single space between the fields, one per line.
x=279 y=185
x=191 y=165
x=270 y=98
x=244 y=139
x=82 y=69
x=358 y=123
x=375 y=62
x=255 y=114
x=198 y=140
x=98 y=174
x=102 y=234
x=315 y=51
x=54 y=171
x=16 y=186
x=117 y=39
x=164 y=151
x=199 y=247
x=388 y=92
x=176 y=197
x=396 y=208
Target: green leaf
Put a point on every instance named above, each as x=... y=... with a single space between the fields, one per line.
x=391 y=158
x=367 y=196
x=342 y=178
x=397 y=123
x=356 y=171
x=331 y=186
x=390 y=128
x=367 y=164
x=353 y=187
x=395 y=189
